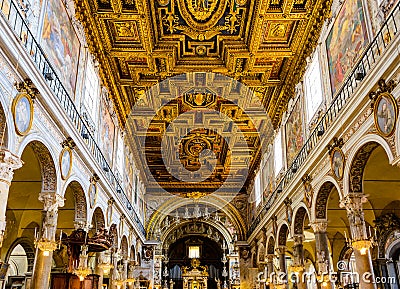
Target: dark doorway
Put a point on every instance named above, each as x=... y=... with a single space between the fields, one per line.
x=210 y=256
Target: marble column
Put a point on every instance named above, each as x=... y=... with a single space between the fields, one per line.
x=8 y=163
x=353 y=203
x=131 y=268
x=113 y=271
x=41 y=273
x=125 y=271
x=270 y=269
x=298 y=261
x=324 y=266
x=282 y=274
x=98 y=270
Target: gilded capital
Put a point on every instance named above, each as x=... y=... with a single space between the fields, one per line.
x=8 y=163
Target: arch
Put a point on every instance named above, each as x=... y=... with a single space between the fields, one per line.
x=283 y=234
x=98 y=219
x=124 y=248
x=80 y=201
x=271 y=245
x=4 y=128
x=114 y=232
x=358 y=157
x=321 y=200
x=299 y=217
x=217 y=226
x=175 y=203
x=46 y=162
x=29 y=250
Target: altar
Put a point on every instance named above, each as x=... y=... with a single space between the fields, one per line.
x=195 y=277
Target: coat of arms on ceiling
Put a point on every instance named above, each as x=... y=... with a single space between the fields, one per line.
x=201 y=21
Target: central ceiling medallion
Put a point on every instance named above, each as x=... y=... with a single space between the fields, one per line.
x=202 y=14
x=197 y=99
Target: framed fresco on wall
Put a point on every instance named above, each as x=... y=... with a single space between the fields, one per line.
x=22 y=112
x=61 y=43
x=385 y=114
x=107 y=132
x=294 y=132
x=346 y=42
x=92 y=193
x=65 y=162
x=337 y=163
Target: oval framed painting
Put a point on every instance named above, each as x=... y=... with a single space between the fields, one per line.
x=22 y=111
x=385 y=114
x=65 y=162
x=337 y=163
x=92 y=195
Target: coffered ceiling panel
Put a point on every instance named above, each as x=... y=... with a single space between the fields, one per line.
x=261 y=43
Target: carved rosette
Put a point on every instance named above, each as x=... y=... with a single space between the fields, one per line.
x=8 y=164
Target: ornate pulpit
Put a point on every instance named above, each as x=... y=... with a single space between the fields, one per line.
x=195 y=277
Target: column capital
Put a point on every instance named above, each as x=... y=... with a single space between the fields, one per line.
x=319 y=226
x=298 y=239
x=281 y=249
x=8 y=164
x=270 y=257
x=51 y=201
x=353 y=202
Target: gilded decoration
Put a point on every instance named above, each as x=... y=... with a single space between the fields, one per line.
x=264 y=44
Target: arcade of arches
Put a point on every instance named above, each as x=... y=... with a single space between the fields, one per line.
x=179 y=144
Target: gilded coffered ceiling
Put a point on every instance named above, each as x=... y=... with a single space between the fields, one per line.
x=261 y=43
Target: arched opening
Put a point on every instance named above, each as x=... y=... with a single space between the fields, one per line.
x=182 y=253
x=24 y=212
x=3 y=129
x=381 y=183
x=327 y=209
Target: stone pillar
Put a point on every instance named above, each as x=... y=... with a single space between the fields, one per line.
x=125 y=270
x=353 y=204
x=298 y=261
x=282 y=274
x=41 y=273
x=113 y=271
x=98 y=270
x=131 y=268
x=270 y=269
x=8 y=163
x=323 y=254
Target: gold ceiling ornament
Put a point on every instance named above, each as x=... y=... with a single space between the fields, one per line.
x=196 y=195
x=225 y=36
